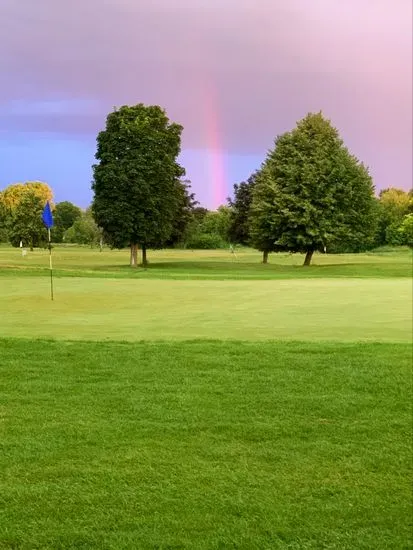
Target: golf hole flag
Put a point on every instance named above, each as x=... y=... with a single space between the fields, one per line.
x=47 y=218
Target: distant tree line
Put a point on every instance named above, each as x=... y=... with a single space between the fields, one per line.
x=21 y=207
x=310 y=194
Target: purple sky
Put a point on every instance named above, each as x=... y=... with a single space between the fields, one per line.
x=234 y=73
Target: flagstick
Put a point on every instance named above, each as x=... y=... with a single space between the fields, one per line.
x=50 y=264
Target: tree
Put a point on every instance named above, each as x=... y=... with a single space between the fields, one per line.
x=65 y=215
x=261 y=228
x=184 y=218
x=84 y=230
x=238 y=231
x=311 y=192
x=393 y=205
x=25 y=221
x=18 y=222
x=136 y=193
x=3 y=224
x=211 y=231
x=406 y=230
x=217 y=222
x=12 y=195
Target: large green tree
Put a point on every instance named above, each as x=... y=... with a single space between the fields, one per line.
x=239 y=231
x=137 y=197
x=311 y=193
x=65 y=215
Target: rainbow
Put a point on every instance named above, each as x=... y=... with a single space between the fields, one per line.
x=216 y=164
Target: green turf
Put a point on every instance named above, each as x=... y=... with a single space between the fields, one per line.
x=123 y=309
x=187 y=264
x=205 y=446
x=250 y=440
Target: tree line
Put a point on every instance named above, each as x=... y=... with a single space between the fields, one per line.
x=310 y=194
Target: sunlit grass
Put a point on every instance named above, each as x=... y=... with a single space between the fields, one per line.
x=125 y=309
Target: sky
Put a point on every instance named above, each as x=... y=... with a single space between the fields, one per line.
x=234 y=73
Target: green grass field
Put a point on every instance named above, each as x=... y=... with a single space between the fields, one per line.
x=209 y=402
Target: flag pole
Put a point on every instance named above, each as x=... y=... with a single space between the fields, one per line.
x=50 y=264
x=47 y=218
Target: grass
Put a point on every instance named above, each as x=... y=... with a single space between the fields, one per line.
x=207 y=403
x=205 y=445
x=124 y=309
x=216 y=264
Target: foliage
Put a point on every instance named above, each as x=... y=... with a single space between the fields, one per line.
x=311 y=192
x=206 y=241
x=238 y=231
x=25 y=223
x=261 y=227
x=84 y=230
x=184 y=219
x=20 y=204
x=3 y=224
x=65 y=215
x=199 y=213
x=211 y=229
x=393 y=205
x=137 y=198
x=217 y=222
x=13 y=194
x=406 y=230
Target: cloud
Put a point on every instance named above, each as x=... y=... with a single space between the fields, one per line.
x=254 y=66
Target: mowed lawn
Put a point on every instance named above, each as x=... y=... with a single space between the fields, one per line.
x=208 y=403
x=124 y=309
x=203 y=264
x=205 y=445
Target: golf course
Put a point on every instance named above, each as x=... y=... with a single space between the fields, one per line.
x=207 y=401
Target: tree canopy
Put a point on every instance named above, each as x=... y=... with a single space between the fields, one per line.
x=13 y=194
x=84 y=230
x=239 y=230
x=393 y=205
x=21 y=206
x=65 y=214
x=137 y=193
x=25 y=221
x=311 y=192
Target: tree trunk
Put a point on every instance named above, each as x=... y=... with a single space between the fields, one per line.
x=265 y=257
x=308 y=257
x=134 y=255
x=144 y=259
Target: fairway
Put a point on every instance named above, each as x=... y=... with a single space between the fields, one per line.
x=310 y=309
x=203 y=264
x=205 y=403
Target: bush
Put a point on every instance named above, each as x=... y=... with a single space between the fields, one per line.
x=406 y=230
x=394 y=237
x=206 y=241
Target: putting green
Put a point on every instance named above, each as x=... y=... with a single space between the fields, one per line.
x=310 y=309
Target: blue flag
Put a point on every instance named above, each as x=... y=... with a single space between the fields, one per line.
x=47 y=216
